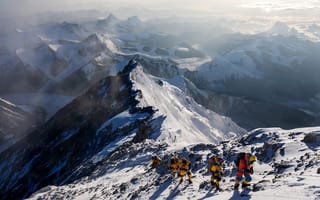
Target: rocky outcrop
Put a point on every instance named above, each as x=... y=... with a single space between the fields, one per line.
x=313 y=137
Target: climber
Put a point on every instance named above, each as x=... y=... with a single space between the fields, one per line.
x=184 y=168
x=174 y=165
x=155 y=161
x=215 y=167
x=244 y=163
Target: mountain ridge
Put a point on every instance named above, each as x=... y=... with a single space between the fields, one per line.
x=108 y=113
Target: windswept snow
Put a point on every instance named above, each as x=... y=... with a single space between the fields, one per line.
x=186 y=122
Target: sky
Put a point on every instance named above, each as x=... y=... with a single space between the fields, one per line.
x=18 y=7
x=33 y=6
x=9 y=8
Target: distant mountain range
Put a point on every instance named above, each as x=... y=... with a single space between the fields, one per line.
x=274 y=71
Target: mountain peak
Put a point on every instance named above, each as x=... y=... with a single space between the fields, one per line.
x=111 y=17
x=134 y=21
x=283 y=29
x=110 y=20
x=130 y=66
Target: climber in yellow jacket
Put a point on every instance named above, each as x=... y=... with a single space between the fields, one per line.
x=184 y=168
x=215 y=167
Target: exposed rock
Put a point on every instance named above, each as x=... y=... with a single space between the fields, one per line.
x=313 y=137
x=268 y=150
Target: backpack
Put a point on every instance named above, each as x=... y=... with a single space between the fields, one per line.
x=174 y=160
x=239 y=157
x=216 y=160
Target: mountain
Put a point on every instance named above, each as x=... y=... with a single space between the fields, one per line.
x=272 y=71
x=282 y=28
x=81 y=136
x=287 y=168
x=250 y=113
x=259 y=80
x=87 y=62
x=17 y=76
x=65 y=31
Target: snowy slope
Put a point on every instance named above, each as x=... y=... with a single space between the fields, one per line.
x=288 y=161
x=185 y=122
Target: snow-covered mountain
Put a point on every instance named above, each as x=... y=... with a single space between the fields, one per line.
x=287 y=168
x=274 y=70
x=59 y=32
x=37 y=67
x=83 y=134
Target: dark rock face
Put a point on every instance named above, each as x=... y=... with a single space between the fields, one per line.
x=17 y=77
x=54 y=153
x=15 y=123
x=247 y=111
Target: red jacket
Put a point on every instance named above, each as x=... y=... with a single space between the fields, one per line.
x=244 y=164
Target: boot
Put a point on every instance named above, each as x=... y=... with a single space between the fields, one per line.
x=245 y=184
x=218 y=185
x=236 y=185
x=212 y=183
x=181 y=179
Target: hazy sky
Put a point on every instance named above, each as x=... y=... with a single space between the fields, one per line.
x=21 y=7
x=40 y=5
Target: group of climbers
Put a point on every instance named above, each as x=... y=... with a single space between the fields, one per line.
x=244 y=163
x=178 y=166
x=182 y=167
